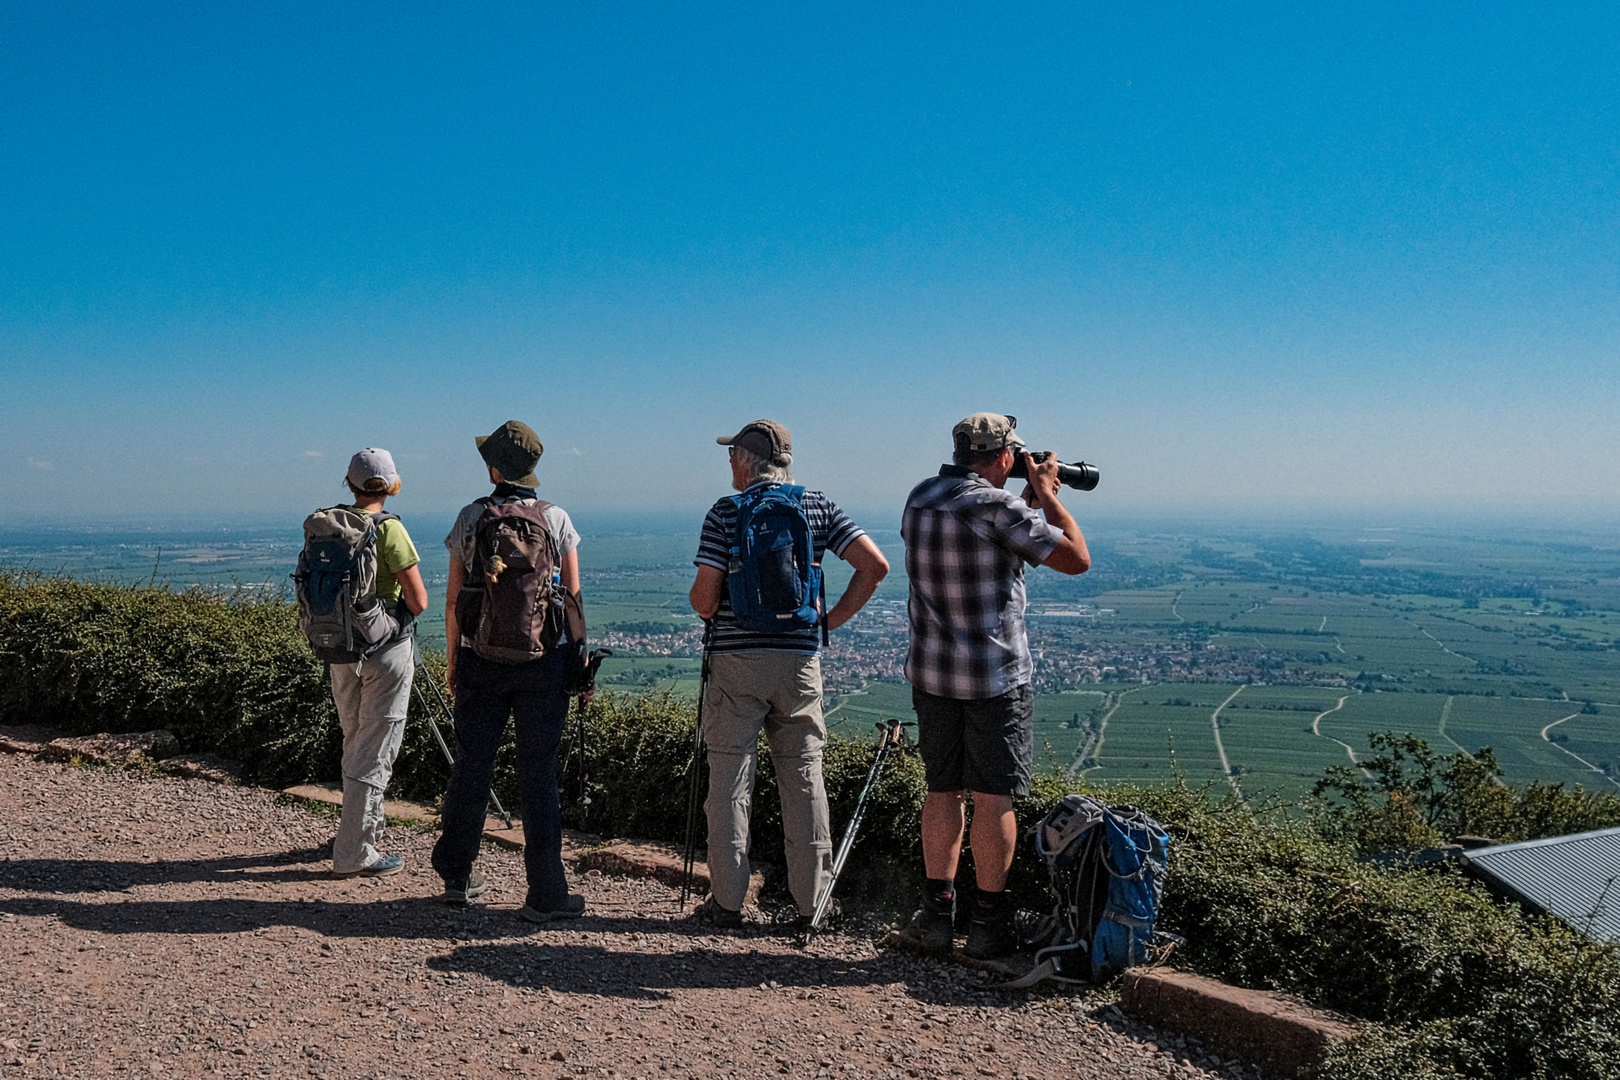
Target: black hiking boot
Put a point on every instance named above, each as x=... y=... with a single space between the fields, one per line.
x=934 y=924
x=992 y=934
x=991 y=938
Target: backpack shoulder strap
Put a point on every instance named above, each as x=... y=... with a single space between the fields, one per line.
x=541 y=506
x=741 y=501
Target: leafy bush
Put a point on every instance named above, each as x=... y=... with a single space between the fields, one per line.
x=235 y=678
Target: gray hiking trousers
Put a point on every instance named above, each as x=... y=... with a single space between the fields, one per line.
x=371 y=697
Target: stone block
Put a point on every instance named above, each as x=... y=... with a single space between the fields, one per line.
x=332 y=795
x=124 y=748
x=1278 y=1031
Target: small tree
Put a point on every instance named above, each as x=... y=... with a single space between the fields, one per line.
x=1408 y=791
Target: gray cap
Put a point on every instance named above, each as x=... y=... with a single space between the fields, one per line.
x=763 y=438
x=372 y=464
x=986 y=431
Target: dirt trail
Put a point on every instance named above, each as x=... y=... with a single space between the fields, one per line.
x=157 y=927
x=1220 y=747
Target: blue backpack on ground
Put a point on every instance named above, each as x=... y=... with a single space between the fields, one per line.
x=775 y=581
x=1107 y=867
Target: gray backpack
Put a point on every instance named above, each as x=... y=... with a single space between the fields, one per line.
x=336 y=585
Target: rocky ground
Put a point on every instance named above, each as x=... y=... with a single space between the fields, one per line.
x=152 y=927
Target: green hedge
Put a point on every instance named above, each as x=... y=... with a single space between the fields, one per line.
x=234 y=678
x=1456 y=983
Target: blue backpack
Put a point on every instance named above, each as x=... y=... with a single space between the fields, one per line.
x=774 y=581
x=1107 y=867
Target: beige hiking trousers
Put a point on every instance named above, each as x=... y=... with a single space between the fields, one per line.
x=778 y=693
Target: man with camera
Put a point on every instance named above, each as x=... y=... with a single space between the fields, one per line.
x=967 y=542
x=764 y=668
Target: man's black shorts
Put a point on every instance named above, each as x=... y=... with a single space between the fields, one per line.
x=985 y=745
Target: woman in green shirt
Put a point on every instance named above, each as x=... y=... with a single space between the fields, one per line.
x=372 y=695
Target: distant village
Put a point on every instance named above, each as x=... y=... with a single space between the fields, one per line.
x=873 y=647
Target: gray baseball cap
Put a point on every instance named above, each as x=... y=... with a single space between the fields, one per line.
x=987 y=431
x=763 y=438
x=372 y=464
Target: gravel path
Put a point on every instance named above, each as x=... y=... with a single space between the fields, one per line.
x=156 y=927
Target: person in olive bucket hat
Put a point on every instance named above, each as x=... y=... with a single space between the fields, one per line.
x=488 y=691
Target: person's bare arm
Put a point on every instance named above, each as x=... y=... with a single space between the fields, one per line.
x=452 y=629
x=411 y=589
x=1071 y=556
x=705 y=594
x=870 y=569
x=569 y=571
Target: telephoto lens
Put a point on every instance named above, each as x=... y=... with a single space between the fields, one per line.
x=1080 y=476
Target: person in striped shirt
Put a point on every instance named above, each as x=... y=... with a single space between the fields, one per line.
x=967 y=543
x=771 y=682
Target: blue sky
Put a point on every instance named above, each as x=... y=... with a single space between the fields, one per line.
x=1278 y=258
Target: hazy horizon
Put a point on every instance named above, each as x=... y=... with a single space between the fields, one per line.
x=1508 y=526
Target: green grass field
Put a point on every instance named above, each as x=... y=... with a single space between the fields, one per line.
x=1153 y=730
x=1269 y=739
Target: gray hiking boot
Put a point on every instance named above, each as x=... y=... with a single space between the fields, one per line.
x=384 y=866
x=457 y=893
x=712 y=913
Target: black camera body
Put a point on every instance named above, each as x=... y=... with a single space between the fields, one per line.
x=1080 y=476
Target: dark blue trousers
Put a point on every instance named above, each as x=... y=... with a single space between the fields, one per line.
x=486 y=694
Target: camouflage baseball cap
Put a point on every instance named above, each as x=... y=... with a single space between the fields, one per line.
x=512 y=449
x=763 y=438
x=986 y=431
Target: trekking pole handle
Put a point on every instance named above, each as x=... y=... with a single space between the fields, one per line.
x=894 y=733
x=593 y=663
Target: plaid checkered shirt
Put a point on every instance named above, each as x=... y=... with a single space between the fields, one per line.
x=966 y=546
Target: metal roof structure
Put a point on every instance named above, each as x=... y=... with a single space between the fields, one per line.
x=1575 y=877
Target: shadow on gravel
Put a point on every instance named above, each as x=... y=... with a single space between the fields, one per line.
x=230 y=915
x=591 y=969
x=107 y=875
x=578 y=969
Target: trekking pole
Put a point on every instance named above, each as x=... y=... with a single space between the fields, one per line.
x=437 y=734
x=890 y=735
x=692 y=769
x=592 y=663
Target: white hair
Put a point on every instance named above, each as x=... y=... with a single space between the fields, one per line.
x=760 y=469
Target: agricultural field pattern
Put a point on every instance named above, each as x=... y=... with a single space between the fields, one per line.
x=1253 y=661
